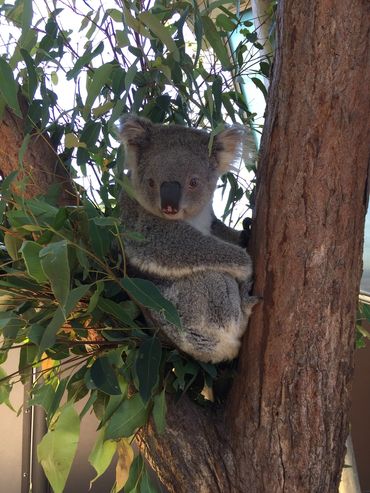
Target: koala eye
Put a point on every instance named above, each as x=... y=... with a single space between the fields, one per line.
x=151 y=182
x=193 y=183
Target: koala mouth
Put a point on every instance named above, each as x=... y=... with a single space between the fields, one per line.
x=170 y=192
x=169 y=210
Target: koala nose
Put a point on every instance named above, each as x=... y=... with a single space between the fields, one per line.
x=170 y=197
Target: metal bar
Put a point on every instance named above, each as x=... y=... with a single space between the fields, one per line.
x=39 y=482
x=26 y=437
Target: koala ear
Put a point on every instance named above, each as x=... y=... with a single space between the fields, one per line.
x=227 y=147
x=135 y=131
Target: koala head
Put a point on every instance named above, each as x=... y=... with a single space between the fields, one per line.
x=172 y=170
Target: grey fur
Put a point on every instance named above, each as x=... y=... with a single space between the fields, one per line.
x=206 y=277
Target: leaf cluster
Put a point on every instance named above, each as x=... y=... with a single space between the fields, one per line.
x=68 y=305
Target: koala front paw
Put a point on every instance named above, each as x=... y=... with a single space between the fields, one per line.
x=246 y=233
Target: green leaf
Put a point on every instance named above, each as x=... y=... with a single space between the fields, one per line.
x=146 y=293
x=71 y=141
x=54 y=78
x=115 y=309
x=23 y=149
x=265 y=68
x=136 y=472
x=159 y=412
x=26 y=16
x=198 y=31
x=11 y=329
x=58 y=447
x=90 y=133
x=43 y=396
x=225 y=22
x=258 y=83
x=102 y=454
x=146 y=484
x=106 y=221
x=12 y=245
x=84 y=60
x=54 y=262
x=49 y=336
x=115 y=14
x=129 y=416
x=122 y=38
x=100 y=238
x=154 y=24
x=32 y=74
x=30 y=253
x=215 y=40
x=9 y=87
x=89 y=403
x=100 y=78
x=5 y=390
x=102 y=109
x=147 y=366
x=95 y=297
x=104 y=377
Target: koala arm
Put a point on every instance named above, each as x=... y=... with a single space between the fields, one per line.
x=234 y=236
x=223 y=232
x=174 y=249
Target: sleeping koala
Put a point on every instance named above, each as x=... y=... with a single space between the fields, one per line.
x=188 y=253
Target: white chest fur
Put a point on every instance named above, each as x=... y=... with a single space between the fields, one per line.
x=202 y=222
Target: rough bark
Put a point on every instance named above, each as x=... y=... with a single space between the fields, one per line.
x=40 y=166
x=296 y=364
x=286 y=420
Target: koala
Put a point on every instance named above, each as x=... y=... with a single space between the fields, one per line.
x=192 y=257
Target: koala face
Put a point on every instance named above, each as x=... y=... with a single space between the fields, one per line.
x=172 y=171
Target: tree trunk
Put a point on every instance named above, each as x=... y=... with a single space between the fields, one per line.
x=286 y=419
x=41 y=167
x=284 y=426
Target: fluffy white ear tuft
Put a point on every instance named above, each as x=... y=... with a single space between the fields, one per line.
x=135 y=130
x=228 y=147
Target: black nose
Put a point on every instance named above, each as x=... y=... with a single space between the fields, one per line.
x=170 y=197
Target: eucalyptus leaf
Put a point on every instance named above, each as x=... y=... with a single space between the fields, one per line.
x=27 y=14
x=125 y=458
x=147 y=294
x=9 y=87
x=49 y=336
x=159 y=411
x=32 y=74
x=55 y=264
x=146 y=483
x=225 y=22
x=216 y=42
x=102 y=454
x=100 y=78
x=154 y=24
x=84 y=60
x=12 y=244
x=259 y=83
x=30 y=251
x=147 y=366
x=58 y=447
x=136 y=472
x=104 y=376
x=129 y=416
x=118 y=311
x=5 y=389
